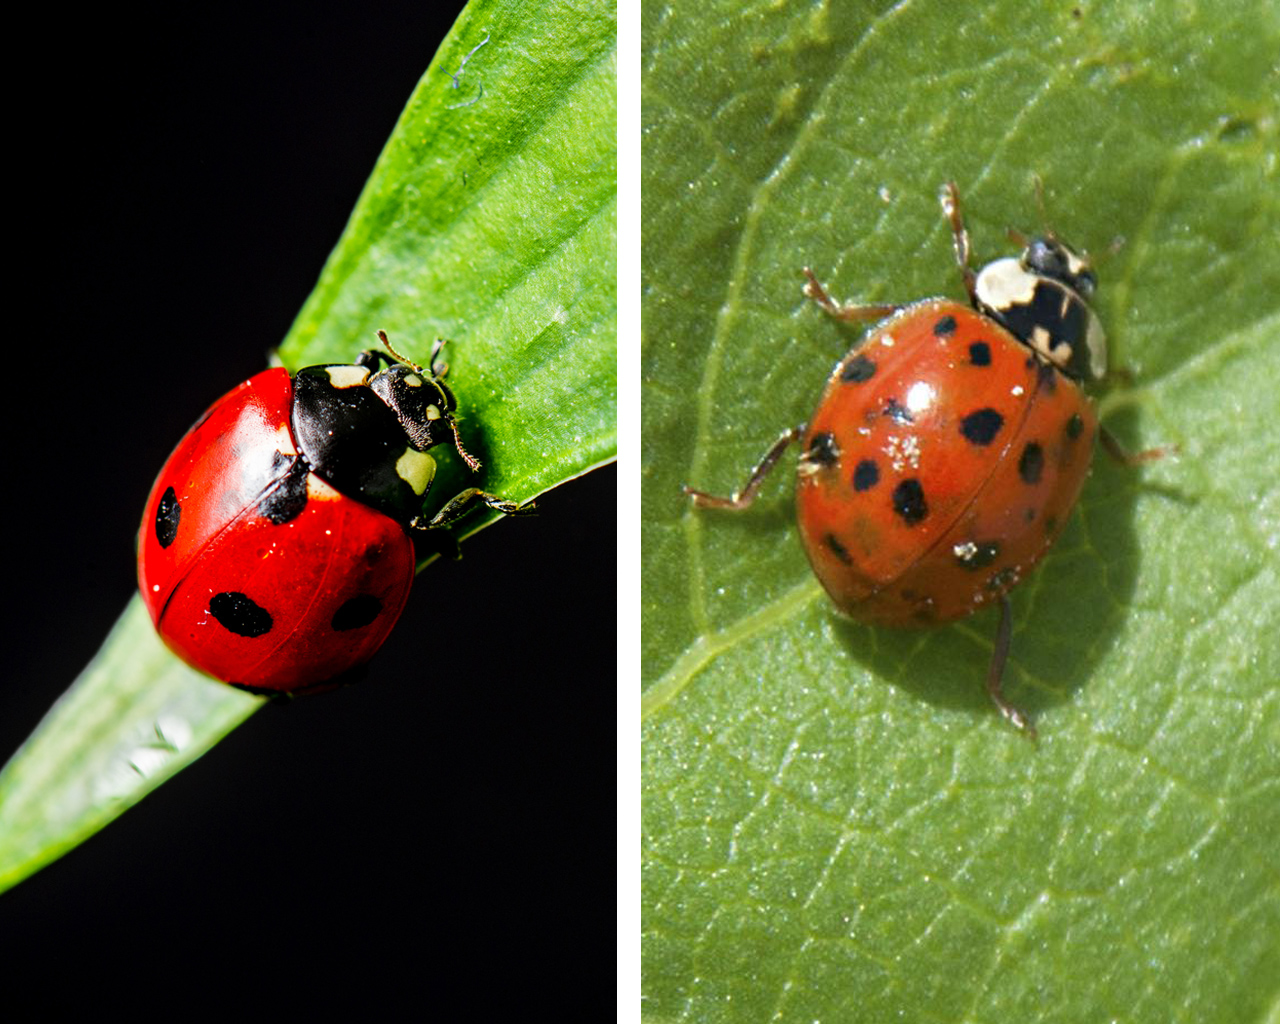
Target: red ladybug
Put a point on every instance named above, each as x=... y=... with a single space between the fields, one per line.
x=275 y=551
x=950 y=445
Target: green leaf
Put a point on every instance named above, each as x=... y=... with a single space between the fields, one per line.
x=489 y=219
x=836 y=823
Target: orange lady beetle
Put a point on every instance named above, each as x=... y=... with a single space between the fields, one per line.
x=951 y=444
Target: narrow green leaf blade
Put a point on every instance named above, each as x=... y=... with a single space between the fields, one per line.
x=107 y=743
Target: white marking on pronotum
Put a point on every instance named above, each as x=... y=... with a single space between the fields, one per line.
x=347 y=376
x=417 y=469
x=1005 y=283
x=1042 y=341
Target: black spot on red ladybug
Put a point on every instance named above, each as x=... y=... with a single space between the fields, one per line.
x=168 y=515
x=976 y=554
x=909 y=503
x=857 y=370
x=945 y=326
x=1050 y=525
x=898 y=412
x=1029 y=514
x=356 y=612
x=982 y=426
x=823 y=450
x=288 y=496
x=1047 y=377
x=240 y=614
x=1075 y=426
x=979 y=354
x=838 y=549
x=1031 y=463
x=866 y=475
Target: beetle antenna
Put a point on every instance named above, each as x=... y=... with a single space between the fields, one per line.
x=467 y=457
x=1017 y=237
x=382 y=337
x=1109 y=252
x=1038 y=183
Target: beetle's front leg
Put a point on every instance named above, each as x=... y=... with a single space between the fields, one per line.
x=460 y=504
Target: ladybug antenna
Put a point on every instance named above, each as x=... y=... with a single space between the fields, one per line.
x=1017 y=237
x=1116 y=245
x=382 y=337
x=1021 y=238
x=1037 y=183
x=467 y=457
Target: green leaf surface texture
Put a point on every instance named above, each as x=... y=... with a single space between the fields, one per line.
x=837 y=825
x=488 y=220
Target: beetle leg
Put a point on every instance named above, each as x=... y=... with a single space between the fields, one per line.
x=950 y=197
x=460 y=504
x=744 y=498
x=1122 y=455
x=995 y=673
x=849 y=312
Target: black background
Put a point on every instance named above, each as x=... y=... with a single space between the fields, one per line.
x=182 y=177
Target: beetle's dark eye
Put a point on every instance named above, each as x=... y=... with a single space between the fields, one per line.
x=1046 y=258
x=1053 y=259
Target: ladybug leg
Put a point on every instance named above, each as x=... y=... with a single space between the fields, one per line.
x=844 y=311
x=744 y=498
x=950 y=197
x=460 y=504
x=995 y=672
x=1122 y=455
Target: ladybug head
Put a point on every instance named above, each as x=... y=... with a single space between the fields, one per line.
x=421 y=400
x=424 y=404
x=1051 y=257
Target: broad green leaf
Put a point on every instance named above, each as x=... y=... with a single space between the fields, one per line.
x=837 y=825
x=490 y=220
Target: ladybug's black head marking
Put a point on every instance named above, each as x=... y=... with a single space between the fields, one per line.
x=436 y=377
x=1051 y=257
x=423 y=404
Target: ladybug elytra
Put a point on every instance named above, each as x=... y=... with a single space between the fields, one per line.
x=951 y=444
x=276 y=547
